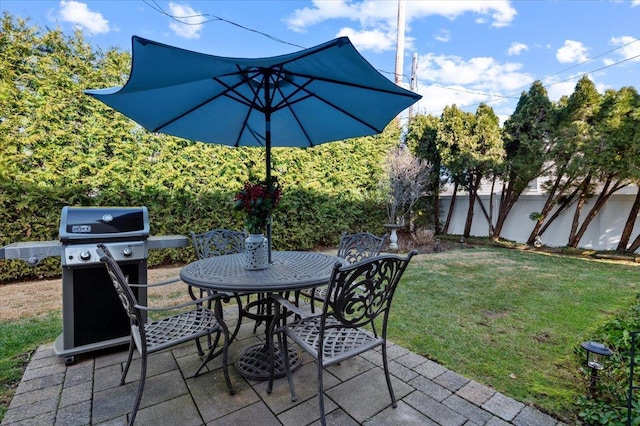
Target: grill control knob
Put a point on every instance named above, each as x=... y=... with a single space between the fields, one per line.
x=85 y=255
x=127 y=252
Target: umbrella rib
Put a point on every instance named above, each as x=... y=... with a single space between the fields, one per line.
x=247 y=76
x=257 y=104
x=302 y=88
x=246 y=120
x=359 y=86
x=229 y=88
x=287 y=98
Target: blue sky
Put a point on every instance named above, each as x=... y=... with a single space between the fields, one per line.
x=468 y=51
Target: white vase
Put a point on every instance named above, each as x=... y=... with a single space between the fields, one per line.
x=256 y=250
x=393 y=238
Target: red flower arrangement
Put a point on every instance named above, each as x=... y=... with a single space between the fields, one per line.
x=258 y=200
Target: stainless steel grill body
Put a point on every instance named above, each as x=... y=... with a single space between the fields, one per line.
x=93 y=317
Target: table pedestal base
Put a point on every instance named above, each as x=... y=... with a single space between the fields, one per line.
x=253 y=362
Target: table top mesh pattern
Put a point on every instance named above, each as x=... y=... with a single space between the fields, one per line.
x=290 y=270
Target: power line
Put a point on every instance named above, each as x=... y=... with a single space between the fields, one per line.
x=496 y=97
x=589 y=60
x=567 y=79
x=473 y=92
x=211 y=18
x=596 y=70
x=181 y=19
x=585 y=62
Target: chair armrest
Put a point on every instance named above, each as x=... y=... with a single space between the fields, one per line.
x=161 y=283
x=289 y=306
x=197 y=302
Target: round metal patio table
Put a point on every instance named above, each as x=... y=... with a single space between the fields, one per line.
x=289 y=271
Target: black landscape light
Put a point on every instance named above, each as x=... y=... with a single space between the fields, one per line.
x=596 y=355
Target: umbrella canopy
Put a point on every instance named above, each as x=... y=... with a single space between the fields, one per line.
x=322 y=94
x=325 y=93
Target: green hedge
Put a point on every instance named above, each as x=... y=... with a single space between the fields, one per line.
x=327 y=190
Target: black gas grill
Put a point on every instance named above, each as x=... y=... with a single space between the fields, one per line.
x=123 y=229
x=92 y=315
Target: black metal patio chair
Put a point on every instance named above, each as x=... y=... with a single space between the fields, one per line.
x=219 y=242
x=352 y=248
x=353 y=321
x=192 y=321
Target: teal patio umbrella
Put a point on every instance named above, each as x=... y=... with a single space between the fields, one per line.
x=325 y=93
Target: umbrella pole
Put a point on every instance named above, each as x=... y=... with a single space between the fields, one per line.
x=267 y=140
x=268 y=156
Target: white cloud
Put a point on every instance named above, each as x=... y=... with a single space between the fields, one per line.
x=558 y=90
x=447 y=80
x=572 y=51
x=478 y=71
x=635 y=3
x=79 y=14
x=500 y=13
x=436 y=98
x=374 y=40
x=443 y=36
x=559 y=86
x=379 y=16
x=630 y=46
x=191 y=22
x=517 y=48
x=321 y=11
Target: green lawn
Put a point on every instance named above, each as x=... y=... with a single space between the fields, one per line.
x=18 y=339
x=506 y=318
x=510 y=319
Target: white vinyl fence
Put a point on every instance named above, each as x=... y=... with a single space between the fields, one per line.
x=602 y=234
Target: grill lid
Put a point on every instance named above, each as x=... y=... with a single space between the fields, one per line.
x=99 y=223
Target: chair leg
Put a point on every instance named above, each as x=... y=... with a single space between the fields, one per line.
x=128 y=363
x=272 y=356
x=312 y=300
x=199 y=346
x=261 y=310
x=225 y=366
x=214 y=343
x=232 y=337
x=239 y=321
x=193 y=297
x=394 y=404
x=225 y=348
x=284 y=353
x=210 y=355
x=323 y=420
x=143 y=375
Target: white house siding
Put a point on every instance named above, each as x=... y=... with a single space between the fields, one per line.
x=603 y=232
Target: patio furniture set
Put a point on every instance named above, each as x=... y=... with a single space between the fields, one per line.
x=287 y=101
x=353 y=318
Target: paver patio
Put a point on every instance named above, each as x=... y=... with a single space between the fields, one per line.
x=88 y=392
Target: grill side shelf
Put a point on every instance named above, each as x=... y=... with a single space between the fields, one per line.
x=31 y=251
x=34 y=251
x=167 y=241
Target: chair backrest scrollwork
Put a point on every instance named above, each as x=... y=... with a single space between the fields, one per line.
x=356 y=247
x=218 y=242
x=363 y=291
